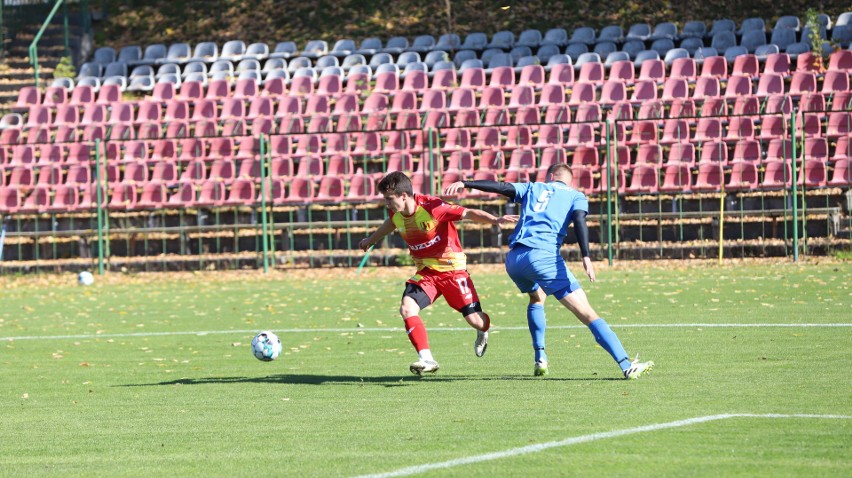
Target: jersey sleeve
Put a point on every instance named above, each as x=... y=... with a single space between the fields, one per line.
x=444 y=212
x=521 y=190
x=581 y=202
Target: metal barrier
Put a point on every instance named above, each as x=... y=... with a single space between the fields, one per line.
x=264 y=231
x=86 y=25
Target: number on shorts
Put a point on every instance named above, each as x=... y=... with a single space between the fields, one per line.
x=462 y=281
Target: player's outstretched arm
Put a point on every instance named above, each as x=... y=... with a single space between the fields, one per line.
x=386 y=228
x=478 y=215
x=505 y=189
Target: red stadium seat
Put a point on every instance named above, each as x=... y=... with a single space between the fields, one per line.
x=677 y=178
x=644 y=179
x=777 y=175
x=301 y=190
x=842 y=175
x=743 y=176
x=241 y=193
x=710 y=177
x=211 y=194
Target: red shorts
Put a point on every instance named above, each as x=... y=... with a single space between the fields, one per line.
x=456 y=286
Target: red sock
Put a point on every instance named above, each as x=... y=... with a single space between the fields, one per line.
x=417 y=333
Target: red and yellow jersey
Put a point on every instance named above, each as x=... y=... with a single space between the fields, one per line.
x=431 y=234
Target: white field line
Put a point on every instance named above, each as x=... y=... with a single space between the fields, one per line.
x=389 y=329
x=413 y=470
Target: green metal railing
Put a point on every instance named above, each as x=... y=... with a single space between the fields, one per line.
x=33 y=50
x=86 y=25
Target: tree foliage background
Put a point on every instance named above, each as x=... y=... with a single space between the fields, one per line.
x=143 y=22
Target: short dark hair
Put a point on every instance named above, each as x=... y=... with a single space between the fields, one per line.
x=558 y=167
x=396 y=183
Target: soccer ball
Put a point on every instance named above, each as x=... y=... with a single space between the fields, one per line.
x=85 y=278
x=266 y=346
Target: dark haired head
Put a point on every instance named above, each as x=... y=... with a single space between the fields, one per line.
x=396 y=183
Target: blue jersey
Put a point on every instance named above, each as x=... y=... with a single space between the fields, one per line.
x=546 y=213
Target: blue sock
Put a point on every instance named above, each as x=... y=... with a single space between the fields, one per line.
x=607 y=339
x=537 y=323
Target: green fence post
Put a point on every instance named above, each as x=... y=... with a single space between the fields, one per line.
x=609 y=191
x=431 y=162
x=804 y=198
x=100 y=209
x=795 y=192
x=263 y=189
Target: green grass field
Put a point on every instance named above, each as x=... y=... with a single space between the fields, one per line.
x=151 y=375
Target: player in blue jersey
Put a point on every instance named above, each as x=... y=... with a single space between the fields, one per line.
x=536 y=266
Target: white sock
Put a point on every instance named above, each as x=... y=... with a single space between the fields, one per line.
x=426 y=354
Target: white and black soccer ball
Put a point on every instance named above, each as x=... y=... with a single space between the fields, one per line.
x=266 y=346
x=85 y=278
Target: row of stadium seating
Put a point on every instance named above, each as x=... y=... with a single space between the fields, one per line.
x=531 y=88
x=148 y=144
x=188 y=160
x=536 y=75
x=145 y=77
x=712 y=80
x=787 y=29
x=710 y=117
x=249 y=102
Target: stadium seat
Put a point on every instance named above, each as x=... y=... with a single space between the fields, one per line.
x=710 y=178
x=649 y=154
x=644 y=179
x=675 y=131
x=747 y=150
x=644 y=92
x=714 y=152
x=840 y=60
x=743 y=176
x=153 y=196
x=644 y=132
x=673 y=89
x=681 y=153
x=65 y=199
x=715 y=66
x=300 y=190
x=93 y=113
x=714 y=106
x=814 y=174
x=677 y=178
x=362 y=187
x=802 y=82
x=779 y=149
x=776 y=175
x=838 y=125
x=706 y=87
x=580 y=134
x=842 y=174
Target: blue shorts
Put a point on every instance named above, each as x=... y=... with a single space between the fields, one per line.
x=530 y=268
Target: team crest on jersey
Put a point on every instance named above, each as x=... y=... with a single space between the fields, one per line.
x=426 y=225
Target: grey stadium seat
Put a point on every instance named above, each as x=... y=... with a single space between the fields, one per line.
x=555 y=36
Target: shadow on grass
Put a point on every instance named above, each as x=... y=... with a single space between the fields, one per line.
x=388 y=381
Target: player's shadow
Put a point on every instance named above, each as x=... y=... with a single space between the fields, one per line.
x=386 y=381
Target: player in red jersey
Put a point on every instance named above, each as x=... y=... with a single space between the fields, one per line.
x=426 y=223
